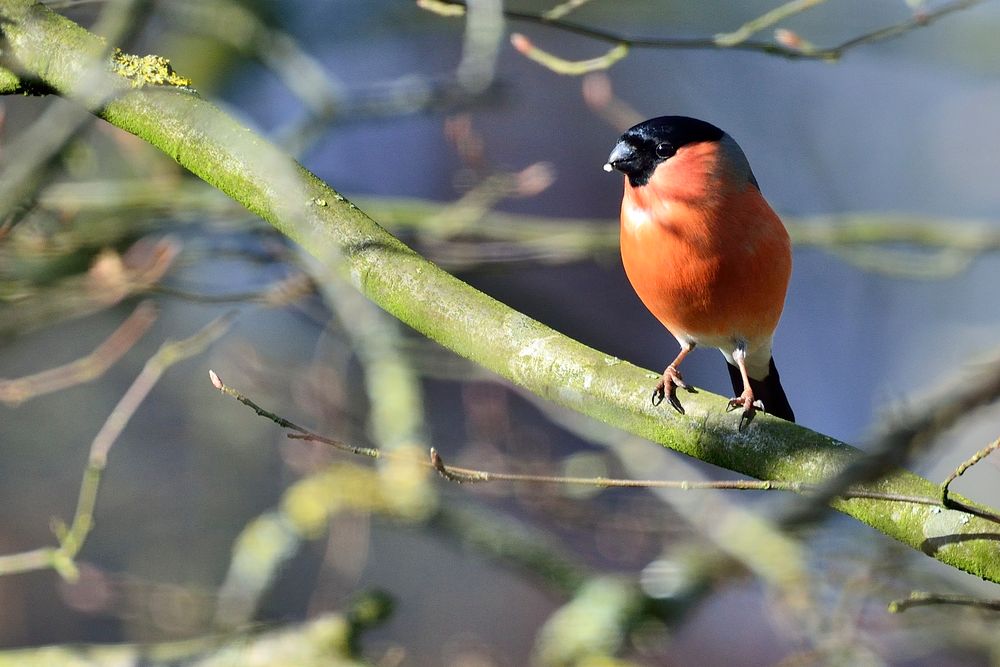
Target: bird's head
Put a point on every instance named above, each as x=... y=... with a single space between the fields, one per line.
x=649 y=144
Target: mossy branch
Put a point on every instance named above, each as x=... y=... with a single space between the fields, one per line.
x=227 y=155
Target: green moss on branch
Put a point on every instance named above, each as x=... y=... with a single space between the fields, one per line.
x=142 y=71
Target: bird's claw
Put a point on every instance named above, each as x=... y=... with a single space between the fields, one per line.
x=667 y=388
x=750 y=408
x=661 y=392
x=658 y=393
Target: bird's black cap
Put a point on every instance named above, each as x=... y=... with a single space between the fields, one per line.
x=642 y=147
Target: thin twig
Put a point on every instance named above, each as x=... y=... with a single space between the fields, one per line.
x=766 y=20
x=16 y=391
x=451 y=474
x=946 y=500
x=965 y=465
x=920 y=599
x=301 y=433
x=564 y=8
x=71 y=539
x=526 y=48
x=170 y=353
x=369 y=452
x=465 y=475
x=832 y=53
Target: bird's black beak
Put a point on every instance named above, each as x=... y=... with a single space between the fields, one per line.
x=622 y=157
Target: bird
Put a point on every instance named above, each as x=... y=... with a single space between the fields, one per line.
x=705 y=253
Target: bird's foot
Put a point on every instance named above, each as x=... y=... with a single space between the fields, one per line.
x=748 y=404
x=669 y=383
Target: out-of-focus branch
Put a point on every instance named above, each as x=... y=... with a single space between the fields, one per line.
x=766 y=20
x=725 y=41
x=919 y=599
x=279 y=293
x=937 y=247
x=527 y=48
x=92 y=366
x=395 y=424
x=328 y=100
x=422 y=216
x=71 y=538
x=25 y=162
x=564 y=8
x=469 y=231
x=330 y=640
x=110 y=279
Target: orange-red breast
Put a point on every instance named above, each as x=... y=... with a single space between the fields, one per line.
x=705 y=253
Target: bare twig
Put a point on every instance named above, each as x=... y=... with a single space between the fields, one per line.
x=766 y=20
x=90 y=367
x=526 y=48
x=395 y=424
x=450 y=474
x=831 y=53
x=946 y=499
x=920 y=599
x=71 y=539
x=464 y=475
x=965 y=465
x=564 y=8
x=301 y=433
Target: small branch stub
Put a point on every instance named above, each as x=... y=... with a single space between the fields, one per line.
x=525 y=47
x=460 y=477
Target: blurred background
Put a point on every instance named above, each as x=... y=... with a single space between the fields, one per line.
x=209 y=521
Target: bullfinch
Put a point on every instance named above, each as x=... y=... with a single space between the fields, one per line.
x=705 y=253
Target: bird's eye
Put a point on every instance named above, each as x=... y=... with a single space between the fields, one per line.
x=665 y=150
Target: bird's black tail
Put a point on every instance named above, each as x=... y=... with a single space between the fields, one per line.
x=768 y=391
